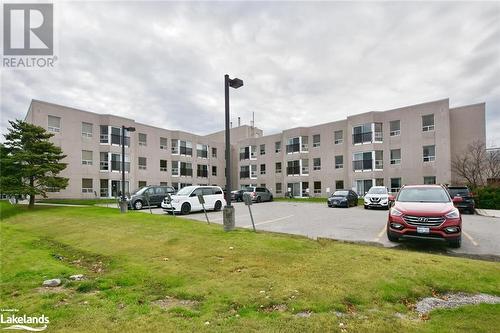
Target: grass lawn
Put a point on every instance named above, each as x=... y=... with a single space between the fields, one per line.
x=230 y=282
x=85 y=202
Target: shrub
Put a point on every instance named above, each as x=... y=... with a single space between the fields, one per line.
x=488 y=197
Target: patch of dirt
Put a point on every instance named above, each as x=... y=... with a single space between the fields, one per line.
x=304 y=314
x=447 y=301
x=276 y=308
x=51 y=290
x=172 y=302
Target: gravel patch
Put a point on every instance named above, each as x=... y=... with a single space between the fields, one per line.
x=172 y=302
x=454 y=300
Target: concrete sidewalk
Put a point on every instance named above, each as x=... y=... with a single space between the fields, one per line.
x=488 y=212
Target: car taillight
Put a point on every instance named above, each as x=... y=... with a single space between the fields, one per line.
x=254 y=194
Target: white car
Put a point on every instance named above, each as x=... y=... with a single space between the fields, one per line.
x=186 y=200
x=377 y=196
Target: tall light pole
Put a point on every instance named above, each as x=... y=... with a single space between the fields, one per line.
x=123 y=201
x=228 y=213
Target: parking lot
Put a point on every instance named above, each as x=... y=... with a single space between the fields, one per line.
x=481 y=235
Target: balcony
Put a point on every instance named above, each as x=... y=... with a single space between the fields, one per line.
x=117 y=166
x=244 y=156
x=365 y=137
x=293 y=148
x=294 y=170
x=116 y=140
x=186 y=172
x=244 y=174
x=186 y=151
x=362 y=165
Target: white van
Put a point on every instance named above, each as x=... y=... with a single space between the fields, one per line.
x=186 y=200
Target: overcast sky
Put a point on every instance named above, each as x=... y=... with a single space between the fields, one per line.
x=303 y=63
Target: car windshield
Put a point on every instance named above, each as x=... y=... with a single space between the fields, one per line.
x=139 y=191
x=423 y=194
x=340 y=193
x=377 y=190
x=185 y=191
x=463 y=192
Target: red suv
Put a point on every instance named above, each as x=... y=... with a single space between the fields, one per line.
x=425 y=211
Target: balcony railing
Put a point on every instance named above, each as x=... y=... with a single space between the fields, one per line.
x=293 y=148
x=186 y=172
x=362 y=165
x=294 y=170
x=117 y=166
x=244 y=156
x=362 y=137
x=186 y=151
x=117 y=140
x=244 y=174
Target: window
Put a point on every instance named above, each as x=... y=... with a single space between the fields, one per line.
x=163 y=165
x=104 y=191
x=54 y=124
x=202 y=170
x=253 y=171
x=186 y=148
x=253 y=152
x=430 y=180
x=395 y=156
x=103 y=161
x=142 y=163
x=87 y=186
x=278 y=167
x=175 y=147
x=262 y=169
x=362 y=134
x=395 y=185
x=379 y=181
x=362 y=161
x=316 y=140
x=163 y=143
x=175 y=168
x=316 y=163
x=428 y=123
x=395 y=128
x=87 y=130
x=263 y=149
x=116 y=136
x=214 y=152
x=363 y=186
x=116 y=162
x=214 y=170
x=104 y=135
x=304 y=170
x=141 y=184
x=277 y=146
x=339 y=137
x=379 y=159
x=293 y=168
x=293 y=145
x=143 y=139
x=304 y=146
x=176 y=185
x=317 y=187
x=186 y=169
x=244 y=171
x=378 y=133
x=202 y=151
x=87 y=157
x=339 y=161
x=339 y=184
x=278 y=188
x=244 y=153
x=429 y=153
x=163 y=183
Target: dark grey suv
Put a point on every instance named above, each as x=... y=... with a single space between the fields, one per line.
x=259 y=194
x=155 y=194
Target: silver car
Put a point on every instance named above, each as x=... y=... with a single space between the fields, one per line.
x=259 y=194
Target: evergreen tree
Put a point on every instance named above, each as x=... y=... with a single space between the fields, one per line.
x=30 y=163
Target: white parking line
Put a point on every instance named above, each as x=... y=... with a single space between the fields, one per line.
x=380 y=234
x=269 y=221
x=470 y=238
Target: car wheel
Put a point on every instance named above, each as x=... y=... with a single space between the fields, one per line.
x=258 y=199
x=271 y=198
x=366 y=207
x=392 y=237
x=185 y=208
x=472 y=211
x=217 y=206
x=138 y=205
x=456 y=243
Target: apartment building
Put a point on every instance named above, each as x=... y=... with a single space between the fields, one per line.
x=409 y=145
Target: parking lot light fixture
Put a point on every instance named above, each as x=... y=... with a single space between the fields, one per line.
x=123 y=201
x=228 y=213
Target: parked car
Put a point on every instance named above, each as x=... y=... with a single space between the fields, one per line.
x=377 y=197
x=343 y=198
x=155 y=194
x=259 y=194
x=186 y=200
x=238 y=195
x=468 y=203
x=425 y=211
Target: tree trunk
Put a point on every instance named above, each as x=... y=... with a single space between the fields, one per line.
x=32 y=196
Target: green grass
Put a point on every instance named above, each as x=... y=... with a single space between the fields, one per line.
x=134 y=259
x=85 y=202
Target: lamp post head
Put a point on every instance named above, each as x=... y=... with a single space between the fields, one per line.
x=235 y=83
